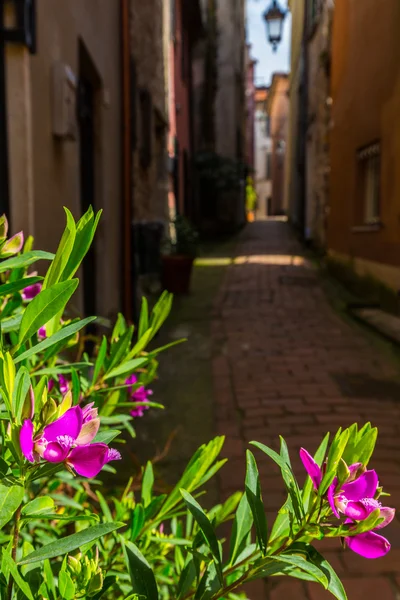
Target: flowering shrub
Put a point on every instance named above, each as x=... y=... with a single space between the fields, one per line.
x=61 y=419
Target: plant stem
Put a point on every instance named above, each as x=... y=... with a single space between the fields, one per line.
x=14 y=548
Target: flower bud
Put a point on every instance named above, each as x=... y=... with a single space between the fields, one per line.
x=3 y=227
x=13 y=245
x=96 y=583
x=49 y=411
x=74 y=565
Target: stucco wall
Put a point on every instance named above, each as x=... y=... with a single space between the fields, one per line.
x=366 y=102
x=55 y=164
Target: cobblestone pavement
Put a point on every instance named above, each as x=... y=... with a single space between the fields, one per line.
x=285 y=363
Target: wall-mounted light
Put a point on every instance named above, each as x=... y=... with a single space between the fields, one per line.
x=20 y=23
x=274 y=17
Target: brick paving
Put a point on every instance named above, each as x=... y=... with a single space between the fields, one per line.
x=284 y=362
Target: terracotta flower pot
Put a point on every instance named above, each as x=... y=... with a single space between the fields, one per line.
x=176 y=273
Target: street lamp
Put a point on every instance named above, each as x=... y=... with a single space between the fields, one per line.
x=274 y=17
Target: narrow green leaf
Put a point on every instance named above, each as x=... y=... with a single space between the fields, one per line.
x=42 y=504
x=254 y=498
x=100 y=360
x=138 y=521
x=206 y=528
x=24 y=260
x=21 y=389
x=312 y=556
x=44 y=307
x=186 y=579
x=85 y=230
x=19 y=580
x=335 y=454
x=70 y=543
x=147 y=484
x=66 y=586
x=127 y=367
x=16 y=286
x=106 y=436
x=240 y=529
x=144 y=318
x=142 y=577
x=62 y=334
x=10 y=499
x=63 y=252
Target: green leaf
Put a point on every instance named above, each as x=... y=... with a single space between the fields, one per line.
x=19 y=580
x=24 y=260
x=70 y=543
x=44 y=307
x=85 y=230
x=254 y=498
x=142 y=577
x=186 y=579
x=312 y=556
x=106 y=436
x=240 y=529
x=127 y=367
x=144 y=318
x=62 y=334
x=21 y=389
x=66 y=586
x=100 y=360
x=120 y=348
x=138 y=521
x=336 y=451
x=16 y=286
x=366 y=446
x=196 y=472
x=10 y=499
x=63 y=252
x=42 y=504
x=147 y=484
x=206 y=528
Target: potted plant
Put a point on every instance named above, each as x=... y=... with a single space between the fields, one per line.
x=177 y=262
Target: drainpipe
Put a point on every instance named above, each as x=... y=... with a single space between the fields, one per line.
x=128 y=276
x=4 y=176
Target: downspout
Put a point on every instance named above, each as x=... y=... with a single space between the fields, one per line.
x=128 y=276
x=4 y=174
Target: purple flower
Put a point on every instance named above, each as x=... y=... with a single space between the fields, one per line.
x=355 y=499
x=311 y=467
x=62 y=383
x=139 y=394
x=31 y=291
x=68 y=439
x=42 y=334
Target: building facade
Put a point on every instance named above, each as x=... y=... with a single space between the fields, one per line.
x=294 y=160
x=318 y=48
x=364 y=217
x=64 y=135
x=278 y=113
x=263 y=154
x=250 y=110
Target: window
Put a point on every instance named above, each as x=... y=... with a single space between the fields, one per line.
x=369 y=160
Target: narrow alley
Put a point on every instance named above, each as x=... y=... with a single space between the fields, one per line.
x=284 y=362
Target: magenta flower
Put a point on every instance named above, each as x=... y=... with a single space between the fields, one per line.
x=31 y=291
x=68 y=440
x=139 y=394
x=42 y=334
x=62 y=384
x=355 y=499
